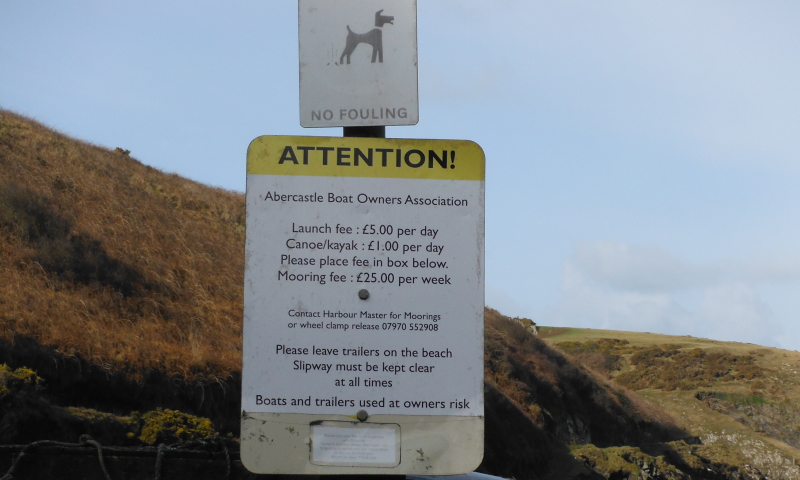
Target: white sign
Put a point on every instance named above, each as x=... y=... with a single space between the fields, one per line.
x=364 y=284
x=358 y=63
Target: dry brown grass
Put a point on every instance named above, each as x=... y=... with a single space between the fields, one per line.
x=116 y=261
x=735 y=395
x=550 y=388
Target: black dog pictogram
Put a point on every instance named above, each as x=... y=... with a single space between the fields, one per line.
x=374 y=37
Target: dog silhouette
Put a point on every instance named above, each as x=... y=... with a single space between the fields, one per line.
x=374 y=37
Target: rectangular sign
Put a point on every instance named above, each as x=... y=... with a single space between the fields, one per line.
x=371 y=446
x=364 y=286
x=358 y=63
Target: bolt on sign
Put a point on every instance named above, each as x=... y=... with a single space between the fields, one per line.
x=358 y=62
x=363 y=306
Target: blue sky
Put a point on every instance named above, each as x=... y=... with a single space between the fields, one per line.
x=643 y=158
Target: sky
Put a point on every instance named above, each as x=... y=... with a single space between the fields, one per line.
x=643 y=157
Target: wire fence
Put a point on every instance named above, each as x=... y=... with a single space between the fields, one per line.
x=216 y=444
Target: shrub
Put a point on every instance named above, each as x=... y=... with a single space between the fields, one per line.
x=736 y=399
x=667 y=368
x=663 y=367
x=22 y=378
x=171 y=426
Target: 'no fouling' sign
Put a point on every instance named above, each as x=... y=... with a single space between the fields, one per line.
x=358 y=63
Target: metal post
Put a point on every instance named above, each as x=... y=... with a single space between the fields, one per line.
x=378 y=131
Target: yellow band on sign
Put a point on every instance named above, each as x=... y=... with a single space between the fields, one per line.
x=366 y=157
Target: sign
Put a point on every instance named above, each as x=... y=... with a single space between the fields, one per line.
x=358 y=63
x=363 y=306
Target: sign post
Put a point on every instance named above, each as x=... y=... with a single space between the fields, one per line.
x=363 y=316
x=364 y=268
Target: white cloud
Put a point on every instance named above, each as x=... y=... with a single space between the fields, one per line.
x=735 y=311
x=504 y=303
x=591 y=304
x=637 y=268
x=772 y=267
x=652 y=269
x=617 y=286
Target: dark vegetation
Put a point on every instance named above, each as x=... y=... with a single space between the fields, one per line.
x=663 y=367
x=30 y=415
x=561 y=397
x=670 y=367
x=74 y=396
x=779 y=420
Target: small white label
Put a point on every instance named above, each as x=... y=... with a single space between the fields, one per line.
x=370 y=446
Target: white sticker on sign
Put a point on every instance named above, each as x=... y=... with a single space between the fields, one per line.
x=376 y=446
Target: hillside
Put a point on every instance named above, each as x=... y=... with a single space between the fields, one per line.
x=113 y=259
x=741 y=402
x=121 y=317
x=119 y=284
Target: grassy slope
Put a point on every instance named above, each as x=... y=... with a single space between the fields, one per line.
x=103 y=256
x=121 y=286
x=777 y=388
x=568 y=405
